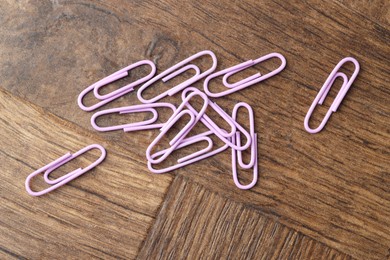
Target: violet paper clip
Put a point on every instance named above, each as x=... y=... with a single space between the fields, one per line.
x=221 y=133
x=176 y=70
x=238 y=154
x=116 y=93
x=56 y=183
x=244 y=83
x=192 y=158
x=175 y=142
x=180 y=112
x=325 y=90
x=143 y=125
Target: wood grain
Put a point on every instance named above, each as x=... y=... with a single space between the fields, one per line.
x=105 y=213
x=377 y=11
x=333 y=187
x=196 y=223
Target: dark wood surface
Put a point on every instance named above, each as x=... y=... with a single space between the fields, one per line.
x=319 y=196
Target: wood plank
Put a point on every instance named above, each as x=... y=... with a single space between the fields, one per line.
x=333 y=186
x=105 y=213
x=377 y=11
x=196 y=223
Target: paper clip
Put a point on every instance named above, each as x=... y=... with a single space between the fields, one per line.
x=174 y=117
x=197 y=115
x=222 y=134
x=244 y=83
x=235 y=153
x=324 y=92
x=173 y=72
x=255 y=166
x=143 y=125
x=206 y=118
x=251 y=132
x=192 y=158
x=116 y=93
x=67 y=177
x=185 y=101
x=175 y=141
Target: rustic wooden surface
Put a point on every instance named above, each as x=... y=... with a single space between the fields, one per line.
x=320 y=196
x=223 y=229
x=106 y=213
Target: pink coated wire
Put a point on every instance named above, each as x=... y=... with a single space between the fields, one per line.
x=123 y=110
x=194 y=138
x=182 y=106
x=222 y=134
x=178 y=138
x=242 y=66
x=207 y=118
x=251 y=131
x=99 y=104
x=191 y=140
x=117 y=93
x=198 y=153
x=195 y=157
x=67 y=177
x=325 y=89
x=245 y=82
x=171 y=72
x=143 y=125
x=120 y=74
x=167 y=78
x=255 y=166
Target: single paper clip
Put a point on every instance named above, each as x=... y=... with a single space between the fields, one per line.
x=176 y=70
x=238 y=154
x=192 y=158
x=244 y=83
x=116 y=93
x=143 y=125
x=67 y=177
x=221 y=133
x=175 y=141
x=251 y=132
x=324 y=92
x=255 y=166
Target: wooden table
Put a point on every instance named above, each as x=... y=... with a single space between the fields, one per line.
x=321 y=196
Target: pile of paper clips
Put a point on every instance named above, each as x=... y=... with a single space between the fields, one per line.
x=231 y=138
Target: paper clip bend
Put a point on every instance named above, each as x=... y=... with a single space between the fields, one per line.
x=244 y=83
x=255 y=166
x=123 y=73
x=184 y=103
x=67 y=177
x=116 y=93
x=176 y=70
x=325 y=90
x=192 y=158
x=251 y=132
x=216 y=108
x=220 y=133
x=143 y=125
x=175 y=141
x=178 y=139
